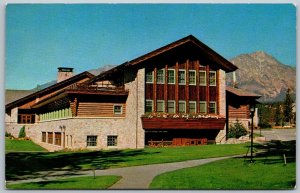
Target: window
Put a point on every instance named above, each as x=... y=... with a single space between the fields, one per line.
x=212 y=78
x=171 y=106
x=181 y=77
x=171 y=76
x=212 y=107
x=160 y=76
x=118 y=109
x=91 y=140
x=26 y=118
x=50 y=137
x=181 y=106
x=202 y=78
x=202 y=106
x=57 y=138
x=149 y=106
x=149 y=77
x=43 y=136
x=192 y=107
x=160 y=106
x=192 y=77
x=112 y=140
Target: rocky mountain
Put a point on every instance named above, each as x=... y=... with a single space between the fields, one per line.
x=262 y=74
x=101 y=69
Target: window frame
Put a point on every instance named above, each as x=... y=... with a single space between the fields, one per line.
x=152 y=107
x=112 y=142
x=193 y=102
x=181 y=70
x=174 y=103
x=174 y=78
x=202 y=84
x=163 y=102
x=181 y=101
x=152 y=77
x=205 y=105
x=215 y=108
x=50 y=138
x=118 y=113
x=91 y=143
x=57 y=140
x=163 y=76
x=195 y=77
x=44 y=137
x=215 y=80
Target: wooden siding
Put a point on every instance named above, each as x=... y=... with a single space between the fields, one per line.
x=241 y=112
x=92 y=109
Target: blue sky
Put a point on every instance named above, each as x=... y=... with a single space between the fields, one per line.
x=40 y=38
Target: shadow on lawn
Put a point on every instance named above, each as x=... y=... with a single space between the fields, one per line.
x=30 y=165
x=274 y=151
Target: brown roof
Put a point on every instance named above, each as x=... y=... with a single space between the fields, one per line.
x=207 y=51
x=66 y=82
x=240 y=92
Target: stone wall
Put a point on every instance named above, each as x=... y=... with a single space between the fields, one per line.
x=221 y=138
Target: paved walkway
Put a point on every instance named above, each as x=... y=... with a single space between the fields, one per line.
x=135 y=177
x=278 y=134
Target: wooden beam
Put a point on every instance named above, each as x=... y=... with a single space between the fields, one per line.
x=154 y=90
x=207 y=88
x=218 y=92
x=166 y=88
x=187 y=84
x=176 y=87
x=197 y=87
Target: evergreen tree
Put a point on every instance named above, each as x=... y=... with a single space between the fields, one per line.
x=288 y=106
x=278 y=115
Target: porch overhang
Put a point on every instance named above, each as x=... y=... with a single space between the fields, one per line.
x=183 y=123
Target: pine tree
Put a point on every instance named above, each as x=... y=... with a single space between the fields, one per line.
x=278 y=115
x=288 y=106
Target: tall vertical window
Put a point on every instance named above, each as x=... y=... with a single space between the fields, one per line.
x=192 y=106
x=213 y=107
x=171 y=76
x=202 y=106
x=171 y=106
x=117 y=109
x=202 y=78
x=57 y=138
x=182 y=106
x=212 y=78
x=160 y=106
x=50 y=137
x=43 y=136
x=91 y=140
x=181 y=77
x=149 y=106
x=112 y=140
x=149 y=77
x=192 y=77
x=160 y=76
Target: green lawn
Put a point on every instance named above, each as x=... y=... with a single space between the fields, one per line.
x=13 y=145
x=86 y=183
x=27 y=164
x=233 y=174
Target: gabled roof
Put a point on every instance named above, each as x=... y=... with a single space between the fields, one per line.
x=204 y=49
x=241 y=93
x=66 y=82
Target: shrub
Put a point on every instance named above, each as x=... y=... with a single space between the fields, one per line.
x=22 y=133
x=236 y=130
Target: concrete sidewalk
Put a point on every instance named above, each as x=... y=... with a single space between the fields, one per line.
x=135 y=177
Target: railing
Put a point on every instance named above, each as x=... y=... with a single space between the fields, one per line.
x=96 y=88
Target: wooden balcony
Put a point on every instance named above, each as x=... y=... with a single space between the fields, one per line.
x=183 y=123
x=97 y=89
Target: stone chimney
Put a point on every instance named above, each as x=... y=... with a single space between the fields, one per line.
x=64 y=73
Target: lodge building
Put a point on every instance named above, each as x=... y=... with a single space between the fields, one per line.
x=175 y=95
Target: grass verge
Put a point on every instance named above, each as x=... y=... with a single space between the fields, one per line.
x=86 y=183
x=13 y=145
x=231 y=174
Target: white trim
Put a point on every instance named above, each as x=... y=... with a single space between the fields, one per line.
x=213 y=102
x=181 y=101
x=112 y=145
x=174 y=102
x=204 y=102
x=152 y=107
x=204 y=78
x=193 y=102
x=152 y=73
x=117 y=112
x=182 y=70
x=195 y=77
x=215 y=83
x=164 y=76
x=174 y=76
x=163 y=102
